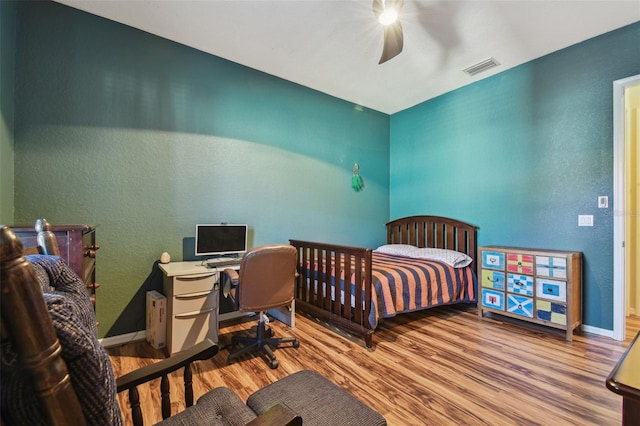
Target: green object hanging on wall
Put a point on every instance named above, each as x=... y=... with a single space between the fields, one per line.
x=356 y=180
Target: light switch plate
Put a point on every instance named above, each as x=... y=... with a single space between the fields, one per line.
x=603 y=202
x=585 y=220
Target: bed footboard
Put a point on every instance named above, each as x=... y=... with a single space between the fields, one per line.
x=317 y=292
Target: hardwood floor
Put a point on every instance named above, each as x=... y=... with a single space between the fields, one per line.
x=439 y=367
x=632 y=327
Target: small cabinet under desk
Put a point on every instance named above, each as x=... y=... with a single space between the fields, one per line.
x=192 y=304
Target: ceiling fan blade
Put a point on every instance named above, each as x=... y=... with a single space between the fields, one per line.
x=393 y=42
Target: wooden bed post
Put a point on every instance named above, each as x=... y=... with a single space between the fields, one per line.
x=26 y=318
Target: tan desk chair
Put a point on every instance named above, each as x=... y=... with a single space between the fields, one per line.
x=266 y=281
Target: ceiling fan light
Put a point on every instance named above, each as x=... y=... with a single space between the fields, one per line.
x=388 y=16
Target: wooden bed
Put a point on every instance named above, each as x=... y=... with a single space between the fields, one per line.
x=322 y=266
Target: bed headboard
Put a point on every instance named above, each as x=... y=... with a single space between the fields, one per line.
x=434 y=231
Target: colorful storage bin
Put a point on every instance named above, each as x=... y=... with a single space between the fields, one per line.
x=548 y=266
x=493 y=279
x=493 y=299
x=551 y=311
x=520 y=305
x=493 y=259
x=520 y=263
x=520 y=284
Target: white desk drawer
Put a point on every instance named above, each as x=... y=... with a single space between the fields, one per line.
x=194 y=302
x=192 y=328
x=185 y=284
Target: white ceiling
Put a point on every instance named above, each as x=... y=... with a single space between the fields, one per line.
x=334 y=46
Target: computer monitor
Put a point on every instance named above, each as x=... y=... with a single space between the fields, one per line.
x=220 y=239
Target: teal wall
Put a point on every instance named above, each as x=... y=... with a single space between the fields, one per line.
x=521 y=154
x=7 y=65
x=146 y=138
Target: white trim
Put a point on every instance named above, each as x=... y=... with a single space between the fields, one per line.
x=619 y=216
x=598 y=331
x=136 y=336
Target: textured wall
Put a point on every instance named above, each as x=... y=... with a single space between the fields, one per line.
x=521 y=154
x=147 y=138
x=7 y=64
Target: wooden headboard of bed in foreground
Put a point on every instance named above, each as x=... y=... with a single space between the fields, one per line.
x=434 y=231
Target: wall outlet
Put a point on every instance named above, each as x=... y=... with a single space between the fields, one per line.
x=585 y=220
x=603 y=202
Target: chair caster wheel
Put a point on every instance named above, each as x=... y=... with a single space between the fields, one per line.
x=296 y=344
x=274 y=364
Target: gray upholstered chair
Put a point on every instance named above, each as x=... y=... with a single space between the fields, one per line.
x=266 y=281
x=54 y=371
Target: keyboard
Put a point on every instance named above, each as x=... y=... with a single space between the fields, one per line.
x=217 y=263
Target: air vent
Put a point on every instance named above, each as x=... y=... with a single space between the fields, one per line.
x=481 y=66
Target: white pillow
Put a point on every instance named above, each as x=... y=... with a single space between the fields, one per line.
x=450 y=257
x=397 y=249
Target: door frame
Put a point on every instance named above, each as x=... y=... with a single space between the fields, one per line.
x=619 y=207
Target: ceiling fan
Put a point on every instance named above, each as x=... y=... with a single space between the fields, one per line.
x=387 y=12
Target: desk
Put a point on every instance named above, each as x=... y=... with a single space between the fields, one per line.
x=193 y=292
x=624 y=380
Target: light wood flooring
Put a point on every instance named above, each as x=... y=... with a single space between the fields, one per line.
x=632 y=327
x=439 y=367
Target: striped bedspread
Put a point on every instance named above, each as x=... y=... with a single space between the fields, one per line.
x=403 y=284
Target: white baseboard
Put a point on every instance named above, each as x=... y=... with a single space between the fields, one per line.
x=598 y=331
x=109 y=342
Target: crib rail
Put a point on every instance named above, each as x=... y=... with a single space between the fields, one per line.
x=323 y=285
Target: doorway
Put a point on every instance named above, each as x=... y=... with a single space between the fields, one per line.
x=626 y=219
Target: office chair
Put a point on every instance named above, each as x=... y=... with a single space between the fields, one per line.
x=266 y=281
